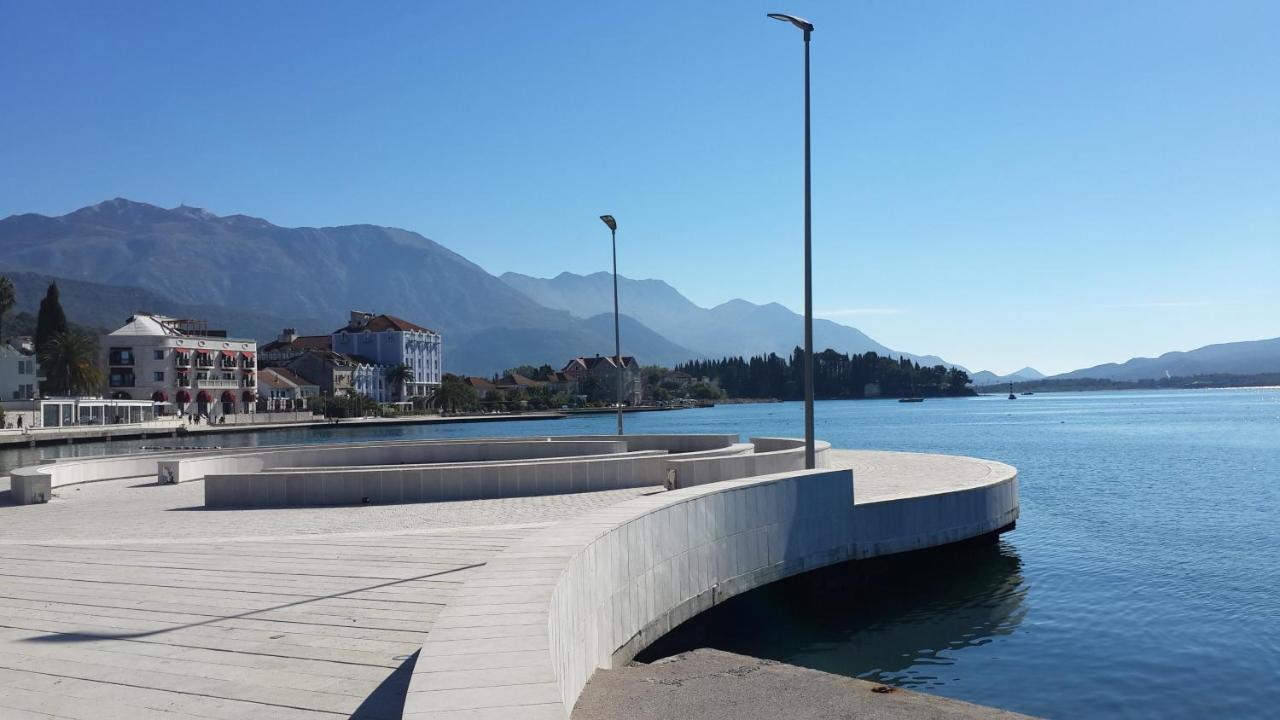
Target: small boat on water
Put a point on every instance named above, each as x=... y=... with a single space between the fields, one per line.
x=1011 y=395
x=911 y=399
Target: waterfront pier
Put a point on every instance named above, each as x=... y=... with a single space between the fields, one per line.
x=479 y=579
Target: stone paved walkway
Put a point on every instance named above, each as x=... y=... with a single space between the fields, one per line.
x=126 y=600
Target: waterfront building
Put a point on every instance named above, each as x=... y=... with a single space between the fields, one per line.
x=599 y=375
x=181 y=366
x=289 y=346
x=483 y=387
x=330 y=371
x=387 y=341
x=370 y=380
x=283 y=389
x=18 y=373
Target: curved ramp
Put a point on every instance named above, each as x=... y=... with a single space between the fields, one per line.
x=525 y=633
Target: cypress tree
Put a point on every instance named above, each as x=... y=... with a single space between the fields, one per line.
x=51 y=320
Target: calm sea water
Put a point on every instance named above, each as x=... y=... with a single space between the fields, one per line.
x=1143 y=579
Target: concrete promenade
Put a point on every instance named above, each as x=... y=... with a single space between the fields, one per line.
x=175 y=428
x=128 y=599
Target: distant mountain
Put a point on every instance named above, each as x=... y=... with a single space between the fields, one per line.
x=504 y=348
x=107 y=307
x=986 y=377
x=734 y=328
x=1251 y=357
x=202 y=260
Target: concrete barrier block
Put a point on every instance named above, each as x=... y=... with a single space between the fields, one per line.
x=31 y=489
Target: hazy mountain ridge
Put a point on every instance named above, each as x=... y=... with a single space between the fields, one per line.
x=986 y=377
x=107 y=307
x=733 y=328
x=1249 y=357
x=201 y=261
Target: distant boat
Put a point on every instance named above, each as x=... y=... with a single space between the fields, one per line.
x=911 y=399
x=1011 y=395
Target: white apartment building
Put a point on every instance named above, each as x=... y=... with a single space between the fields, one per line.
x=384 y=341
x=18 y=374
x=181 y=367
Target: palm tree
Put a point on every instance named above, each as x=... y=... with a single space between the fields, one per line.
x=68 y=362
x=399 y=376
x=7 y=300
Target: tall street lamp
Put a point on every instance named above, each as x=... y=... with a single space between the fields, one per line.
x=617 y=337
x=809 y=460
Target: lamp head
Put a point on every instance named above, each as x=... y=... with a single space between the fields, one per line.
x=608 y=220
x=799 y=22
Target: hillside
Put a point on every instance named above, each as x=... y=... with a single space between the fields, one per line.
x=200 y=260
x=1251 y=357
x=733 y=328
x=106 y=307
x=986 y=377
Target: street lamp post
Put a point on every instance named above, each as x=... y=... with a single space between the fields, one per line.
x=617 y=336
x=809 y=459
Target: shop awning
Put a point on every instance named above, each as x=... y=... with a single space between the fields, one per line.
x=184 y=396
x=159 y=396
x=204 y=396
x=228 y=396
x=229 y=354
x=201 y=352
x=247 y=396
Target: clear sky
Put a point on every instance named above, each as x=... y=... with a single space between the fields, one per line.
x=1001 y=183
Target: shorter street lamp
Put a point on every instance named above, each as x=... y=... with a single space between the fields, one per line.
x=617 y=337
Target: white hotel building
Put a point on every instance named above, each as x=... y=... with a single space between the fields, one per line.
x=181 y=366
x=380 y=342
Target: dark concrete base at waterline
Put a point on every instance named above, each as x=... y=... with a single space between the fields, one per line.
x=711 y=685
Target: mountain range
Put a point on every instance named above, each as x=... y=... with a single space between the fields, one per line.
x=986 y=377
x=1250 y=357
x=733 y=328
x=255 y=277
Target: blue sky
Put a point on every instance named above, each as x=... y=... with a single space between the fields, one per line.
x=1002 y=183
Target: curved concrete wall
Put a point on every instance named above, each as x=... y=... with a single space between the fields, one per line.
x=524 y=635
x=371 y=454
x=771 y=455
x=297 y=487
x=34 y=484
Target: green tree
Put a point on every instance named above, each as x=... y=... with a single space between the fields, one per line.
x=399 y=376
x=8 y=298
x=51 y=320
x=455 y=395
x=69 y=364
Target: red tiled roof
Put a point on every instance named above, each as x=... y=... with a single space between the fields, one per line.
x=478 y=383
x=383 y=323
x=289 y=375
x=301 y=343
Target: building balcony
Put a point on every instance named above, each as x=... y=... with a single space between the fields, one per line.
x=216 y=384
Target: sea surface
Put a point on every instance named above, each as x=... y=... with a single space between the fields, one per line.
x=1142 y=581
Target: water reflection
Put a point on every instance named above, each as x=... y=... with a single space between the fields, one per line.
x=898 y=620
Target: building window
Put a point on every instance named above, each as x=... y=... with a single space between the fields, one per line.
x=157 y=376
x=120 y=378
x=121 y=356
x=158 y=355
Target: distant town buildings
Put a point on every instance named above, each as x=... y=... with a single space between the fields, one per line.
x=289 y=346
x=282 y=389
x=180 y=366
x=384 y=341
x=358 y=357
x=597 y=377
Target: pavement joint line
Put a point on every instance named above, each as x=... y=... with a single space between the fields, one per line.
x=182 y=692
x=130 y=636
